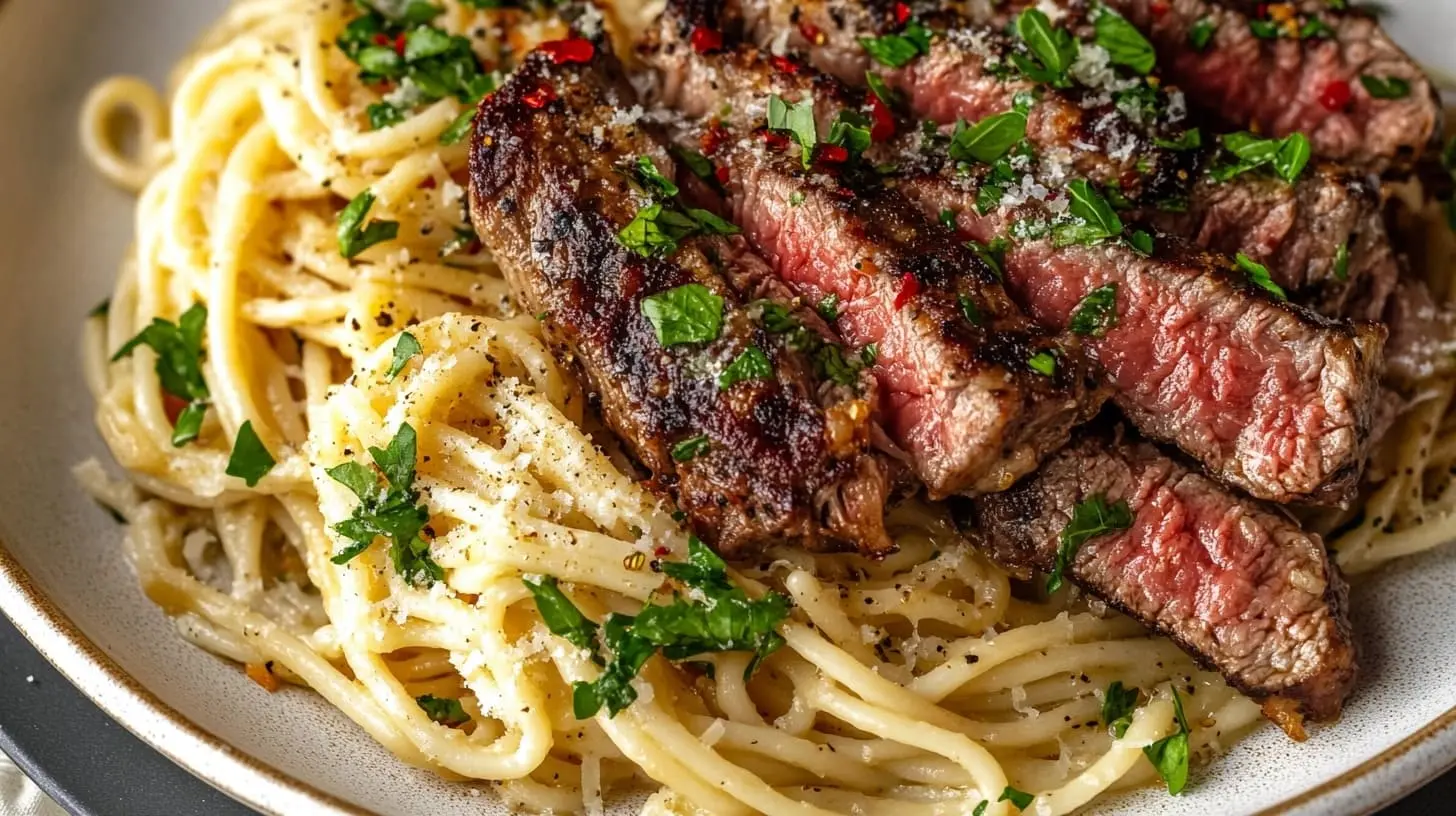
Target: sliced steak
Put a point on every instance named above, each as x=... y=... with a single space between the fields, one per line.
x=1256 y=67
x=1241 y=588
x=1269 y=397
x=1422 y=337
x=1321 y=237
x=777 y=456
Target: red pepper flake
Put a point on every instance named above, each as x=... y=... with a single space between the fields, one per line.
x=776 y=141
x=811 y=32
x=832 y=154
x=173 y=406
x=566 y=51
x=713 y=138
x=705 y=39
x=382 y=39
x=882 y=122
x=540 y=96
x=661 y=552
x=902 y=13
x=784 y=65
x=428 y=183
x=909 y=288
x=1160 y=8
x=843 y=193
x=399 y=44
x=721 y=173
x=1336 y=95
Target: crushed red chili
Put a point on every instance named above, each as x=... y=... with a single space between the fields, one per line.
x=832 y=154
x=909 y=288
x=572 y=50
x=705 y=39
x=902 y=13
x=882 y=122
x=811 y=32
x=662 y=552
x=713 y=138
x=1160 y=8
x=784 y=65
x=540 y=96
x=1336 y=95
x=721 y=173
x=776 y=141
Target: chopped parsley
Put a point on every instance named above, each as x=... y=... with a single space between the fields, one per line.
x=1169 y=755
x=1142 y=241
x=1201 y=34
x=690 y=448
x=250 y=460
x=1190 y=139
x=878 y=87
x=1090 y=519
x=797 y=120
x=405 y=348
x=1043 y=363
x=653 y=180
x=1096 y=313
x=355 y=235
x=969 y=310
x=388 y=507
x=1342 y=261
x=1092 y=218
x=458 y=129
x=656 y=231
x=719 y=617
x=1117 y=707
x=698 y=164
x=992 y=254
x=752 y=364
x=1125 y=45
x=1287 y=157
x=897 y=50
x=828 y=306
x=691 y=313
x=179 y=366
x=1385 y=87
x=444 y=710
x=1021 y=799
x=1053 y=50
x=850 y=130
x=1259 y=276
x=829 y=359
x=989 y=139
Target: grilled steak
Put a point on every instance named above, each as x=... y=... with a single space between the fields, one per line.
x=1298 y=67
x=1423 y=335
x=1321 y=237
x=1241 y=588
x=1269 y=397
x=779 y=455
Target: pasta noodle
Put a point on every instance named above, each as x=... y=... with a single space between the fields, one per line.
x=914 y=685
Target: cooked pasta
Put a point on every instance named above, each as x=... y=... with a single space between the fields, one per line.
x=918 y=684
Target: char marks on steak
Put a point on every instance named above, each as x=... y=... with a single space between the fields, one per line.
x=1321 y=237
x=1241 y=588
x=1288 y=83
x=1269 y=397
x=787 y=456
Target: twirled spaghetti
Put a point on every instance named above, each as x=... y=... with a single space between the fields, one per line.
x=913 y=685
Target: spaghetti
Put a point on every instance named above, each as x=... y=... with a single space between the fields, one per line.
x=915 y=685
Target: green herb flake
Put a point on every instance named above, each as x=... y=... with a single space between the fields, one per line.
x=881 y=91
x=971 y=312
x=405 y=348
x=1096 y=313
x=1200 y=36
x=446 y=711
x=250 y=460
x=698 y=164
x=690 y=448
x=1190 y=139
x=989 y=139
x=869 y=354
x=389 y=509
x=1043 y=363
x=1169 y=755
x=1021 y=799
x=752 y=364
x=1125 y=45
x=828 y=306
x=1092 y=218
x=796 y=198
x=1385 y=87
x=1142 y=241
x=691 y=313
x=1259 y=276
x=1090 y=519
x=1342 y=261
x=653 y=180
x=655 y=231
x=559 y=614
x=355 y=235
x=897 y=50
x=798 y=121
x=1117 y=707
x=178 y=347
x=1288 y=157
x=459 y=129
x=1053 y=50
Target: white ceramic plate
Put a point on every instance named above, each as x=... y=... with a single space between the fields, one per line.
x=64 y=582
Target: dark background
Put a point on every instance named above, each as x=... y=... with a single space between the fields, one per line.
x=109 y=772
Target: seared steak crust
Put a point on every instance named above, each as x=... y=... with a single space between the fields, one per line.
x=787 y=456
x=1241 y=588
x=1288 y=84
x=1268 y=396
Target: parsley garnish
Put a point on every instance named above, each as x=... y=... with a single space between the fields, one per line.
x=444 y=710
x=828 y=306
x=1117 y=706
x=1125 y=44
x=657 y=230
x=1169 y=755
x=992 y=254
x=1287 y=156
x=1190 y=139
x=798 y=120
x=1090 y=518
x=969 y=310
x=697 y=163
x=559 y=613
x=1096 y=313
x=752 y=364
x=1201 y=34
x=896 y=50
x=179 y=366
x=690 y=448
x=405 y=348
x=829 y=359
x=880 y=89
x=691 y=313
x=1092 y=218
x=1342 y=261
x=1142 y=241
x=460 y=128
x=1053 y=50
x=1259 y=276
x=653 y=180
x=725 y=620
x=989 y=139
x=1021 y=799
x=1385 y=87
x=1043 y=363
x=354 y=235
x=850 y=130
x=388 y=508
x=250 y=460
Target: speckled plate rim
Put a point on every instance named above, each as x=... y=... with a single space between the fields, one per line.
x=267 y=789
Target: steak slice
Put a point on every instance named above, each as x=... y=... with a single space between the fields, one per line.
x=1322 y=237
x=1312 y=84
x=777 y=456
x=1241 y=588
x=1269 y=397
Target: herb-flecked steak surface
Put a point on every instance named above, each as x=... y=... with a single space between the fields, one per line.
x=1240 y=587
x=776 y=456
